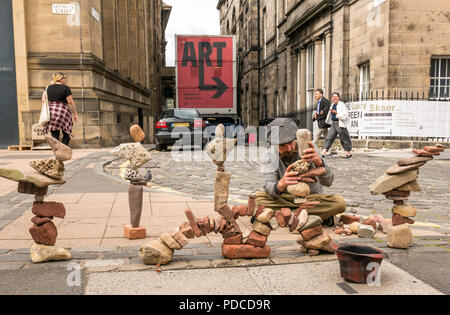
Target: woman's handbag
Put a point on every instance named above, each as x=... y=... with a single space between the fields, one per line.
x=45 y=112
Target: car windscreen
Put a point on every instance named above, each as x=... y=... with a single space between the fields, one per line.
x=181 y=114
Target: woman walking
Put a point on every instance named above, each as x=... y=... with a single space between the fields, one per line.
x=63 y=111
x=339 y=119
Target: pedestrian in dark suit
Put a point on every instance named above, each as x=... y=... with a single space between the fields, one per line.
x=321 y=114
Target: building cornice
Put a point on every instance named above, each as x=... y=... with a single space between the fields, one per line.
x=71 y=61
x=312 y=13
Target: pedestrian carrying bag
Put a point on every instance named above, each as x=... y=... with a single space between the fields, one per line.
x=45 y=111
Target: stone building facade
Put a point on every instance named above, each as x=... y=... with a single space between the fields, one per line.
x=289 y=48
x=112 y=51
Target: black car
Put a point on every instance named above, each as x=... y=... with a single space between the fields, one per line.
x=176 y=125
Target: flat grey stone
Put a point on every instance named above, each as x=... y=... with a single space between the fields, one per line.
x=82 y=256
x=15 y=258
x=94 y=249
x=11 y=266
x=4 y=251
x=25 y=251
x=121 y=255
x=130 y=248
x=427 y=249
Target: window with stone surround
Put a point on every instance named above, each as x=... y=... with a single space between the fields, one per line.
x=440 y=78
x=364 y=81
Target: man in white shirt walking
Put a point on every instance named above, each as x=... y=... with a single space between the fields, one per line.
x=339 y=119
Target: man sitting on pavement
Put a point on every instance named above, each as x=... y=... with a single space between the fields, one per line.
x=282 y=154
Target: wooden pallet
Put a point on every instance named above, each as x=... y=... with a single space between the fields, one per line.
x=19 y=148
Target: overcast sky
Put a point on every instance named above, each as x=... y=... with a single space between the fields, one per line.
x=190 y=17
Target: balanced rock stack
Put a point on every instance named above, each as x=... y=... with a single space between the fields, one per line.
x=46 y=173
x=161 y=252
x=396 y=185
x=138 y=156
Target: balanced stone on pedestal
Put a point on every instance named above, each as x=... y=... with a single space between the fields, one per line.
x=134 y=152
x=135 y=200
x=387 y=183
x=51 y=168
x=221 y=190
x=137 y=133
x=62 y=152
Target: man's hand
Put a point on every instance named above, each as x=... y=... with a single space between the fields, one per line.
x=311 y=155
x=289 y=178
x=334 y=112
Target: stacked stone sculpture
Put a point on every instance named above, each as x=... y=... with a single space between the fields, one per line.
x=239 y=242
x=397 y=184
x=47 y=172
x=138 y=156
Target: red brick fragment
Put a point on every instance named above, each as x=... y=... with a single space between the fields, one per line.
x=193 y=222
x=236 y=212
x=257 y=239
x=243 y=210
x=245 y=252
x=295 y=223
x=260 y=210
x=286 y=212
x=226 y=212
x=132 y=233
x=371 y=222
x=251 y=206
x=235 y=240
x=41 y=220
x=399 y=220
x=349 y=219
x=280 y=219
x=45 y=234
x=49 y=209
x=187 y=230
x=311 y=233
x=32 y=189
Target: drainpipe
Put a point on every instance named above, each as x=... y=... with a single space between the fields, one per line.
x=259 y=61
x=82 y=76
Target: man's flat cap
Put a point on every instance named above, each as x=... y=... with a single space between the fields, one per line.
x=282 y=131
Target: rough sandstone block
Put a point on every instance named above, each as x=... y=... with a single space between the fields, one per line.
x=243 y=210
x=262 y=228
x=156 y=253
x=41 y=220
x=180 y=238
x=399 y=237
x=266 y=215
x=167 y=239
x=287 y=213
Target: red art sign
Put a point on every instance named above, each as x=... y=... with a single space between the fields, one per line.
x=206 y=72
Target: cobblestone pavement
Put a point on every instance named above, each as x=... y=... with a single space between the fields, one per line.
x=192 y=173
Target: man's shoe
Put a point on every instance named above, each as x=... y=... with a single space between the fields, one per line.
x=348 y=156
x=330 y=222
